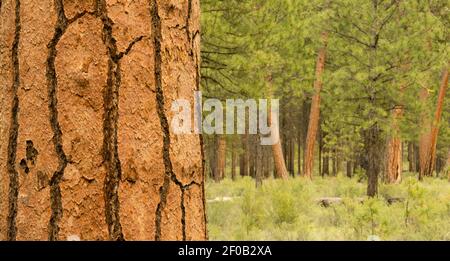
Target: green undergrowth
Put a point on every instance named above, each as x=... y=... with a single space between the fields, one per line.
x=289 y=210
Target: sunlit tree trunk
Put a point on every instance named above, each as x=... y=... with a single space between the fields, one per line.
x=314 y=115
x=428 y=159
x=86 y=152
x=394 y=163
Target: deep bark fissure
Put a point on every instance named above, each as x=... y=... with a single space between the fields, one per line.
x=188 y=19
x=62 y=23
x=110 y=124
x=14 y=132
x=160 y=104
x=163 y=191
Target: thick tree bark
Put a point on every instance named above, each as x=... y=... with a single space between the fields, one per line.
x=314 y=115
x=85 y=111
x=372 y=162
x=428 y=159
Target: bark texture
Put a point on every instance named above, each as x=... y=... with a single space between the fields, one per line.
x=85 y=147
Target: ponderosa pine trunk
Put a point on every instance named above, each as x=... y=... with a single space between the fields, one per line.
x=428 y=154
x=86 y=152
x=394 y=163
x=277 y=151
x=314 y=115
x=373 y=150
x=278 y=159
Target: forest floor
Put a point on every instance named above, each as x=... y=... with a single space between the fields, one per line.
x=292 y=210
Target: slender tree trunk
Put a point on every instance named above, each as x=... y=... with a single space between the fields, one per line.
x=299 y=153
x=394 y=163
x=448 y=165
x=221 y=157
x=349 y=169
x=292 y=156
x=428 y=156
x=334 y=163
x=411 y=158
x=314 y=115
x=245 y=156
x=326 y=163
x=277 y=151
x=259 y=161
x=233 y=161
x=320 y=151
x=87 y=131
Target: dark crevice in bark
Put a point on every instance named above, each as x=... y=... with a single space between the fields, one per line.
x=183 y=215
x=110 y=122
x=188 y=20
x=169 y=174
x=62 y=23
x=13 y=132
x=129 y=48
x=163 y=191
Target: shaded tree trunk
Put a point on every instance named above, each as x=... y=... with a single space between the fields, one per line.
x=372 y=161
x=314 y=115
x=233 y=161
x=349 y=169
x=326 y=163
x=90 y=165
x=221 y=157
x=412 y=164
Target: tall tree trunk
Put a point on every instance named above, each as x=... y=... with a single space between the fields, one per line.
x=314 y=115
x=394 y=163
x=259 y=161
x=221 y=157
x=372 y=162
x=447 y=166
x=244 y=156
x=292 y=156
x=90 y=155
x=326 y=163
x=411 y=157
x=428 y=159
x=299 y=153
x=349 y=169
x=277 y=151
x=334 y=163
x=233 y=161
